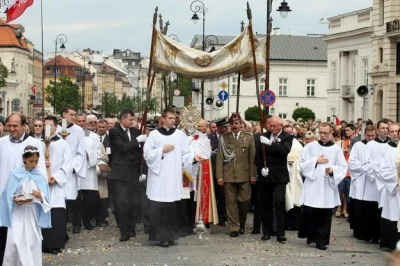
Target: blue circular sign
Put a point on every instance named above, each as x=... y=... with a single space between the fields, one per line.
x=267 y=97
x=223 y=95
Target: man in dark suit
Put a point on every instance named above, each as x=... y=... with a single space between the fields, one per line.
x=273 y=177
x=126 y=148
x=222 y=128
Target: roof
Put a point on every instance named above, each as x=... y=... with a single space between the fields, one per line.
x=286 y=47
x=67 y=66
x=8 y=37
x=369 y=9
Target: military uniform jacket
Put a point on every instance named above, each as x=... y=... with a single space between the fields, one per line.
x=242 y=167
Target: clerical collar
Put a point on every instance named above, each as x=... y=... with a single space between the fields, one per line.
x=377 y=139
x=55 y=138
x=68 y=126
x=24 y=137
x=392 y=144
x=364 y=141
x=166 y=132
x=327 y=144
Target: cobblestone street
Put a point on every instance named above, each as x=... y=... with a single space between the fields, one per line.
x=101 y=247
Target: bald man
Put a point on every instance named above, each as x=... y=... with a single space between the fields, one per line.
x=202 y=127
x=274 y=177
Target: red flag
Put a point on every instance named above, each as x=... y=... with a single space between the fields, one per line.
x=17 y=9
x=337 y=121
x=33 y=89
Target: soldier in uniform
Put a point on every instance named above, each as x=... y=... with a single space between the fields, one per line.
x=222 y=128
x=235 y=171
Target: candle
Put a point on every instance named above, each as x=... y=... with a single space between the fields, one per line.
x=47 y=131
x=64 y=124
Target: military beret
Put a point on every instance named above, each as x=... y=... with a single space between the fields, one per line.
x=234 y=117
x=151 y=124
x=222 y=122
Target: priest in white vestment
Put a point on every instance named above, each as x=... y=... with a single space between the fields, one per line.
x=323 y=165
x=388 y=175
x=76 y=143
x=166 y=152
x=59 y=166
x=15 y=142
x=364 y=192
x=373 y=208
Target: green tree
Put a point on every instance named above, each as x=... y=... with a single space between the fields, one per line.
x=304 y=113
x=252 y=114
x=126 y=102
x=3 y=75
x=67 y=93
x=184 y=84
x=109 y=105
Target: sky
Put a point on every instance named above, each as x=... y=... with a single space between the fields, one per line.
x=104 y=25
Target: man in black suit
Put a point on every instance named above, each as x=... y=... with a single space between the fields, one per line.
x=222 y=128
x=273 y=177
x=126 y=148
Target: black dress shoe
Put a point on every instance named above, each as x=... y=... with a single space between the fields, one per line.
x=98 y=222
x=234 y=234
x=321 y=247
x=76 y=230
x=133 y=234
x=309 y=241
x=105 y=222
x=164 y=244
x=124 y=237
x=255 y=231
x=281 y=239
x=221 y=223
x=241 y=230
x=171 y=242
x=88 y=226
x=54 y=251
x=265 y=237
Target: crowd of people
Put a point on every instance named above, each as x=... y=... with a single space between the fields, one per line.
x=292 y=175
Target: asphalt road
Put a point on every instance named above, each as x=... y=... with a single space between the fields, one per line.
x=101 y=247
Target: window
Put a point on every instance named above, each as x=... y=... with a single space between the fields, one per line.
x=398 y=58
x=282 y=87
x=310 y=87
x=282 y=116
x=57 y=71
x=234 y=86
x=380 y=55
x=381 y=12
x=365 y=71
x=334 y=75
x=354 y=78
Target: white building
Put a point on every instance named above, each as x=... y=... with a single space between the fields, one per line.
x=298 y=77
x=349 y=62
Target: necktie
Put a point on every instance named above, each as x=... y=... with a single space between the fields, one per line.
x=236 y=135
x=274 y=138
x=101 y=139
x=127 y=133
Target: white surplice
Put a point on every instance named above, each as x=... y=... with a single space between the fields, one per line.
x=164 y=181
x=93 y=153
x=295 y=185
x=11 y=157
x=61 y=169
x=76 y=141
x=370 y=167
x=321 y=190
x=363 y=188
x=24 y=237
x=387 y=174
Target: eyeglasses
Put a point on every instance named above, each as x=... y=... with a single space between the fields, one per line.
x=38 y=125
x=93 y=122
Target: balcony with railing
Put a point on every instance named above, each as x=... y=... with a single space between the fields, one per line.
x=347 y=92
x=393 y=27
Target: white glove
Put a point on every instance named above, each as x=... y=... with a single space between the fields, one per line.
x=142 y=178
x=265 y=140
x=142 y=138
x=265 y=171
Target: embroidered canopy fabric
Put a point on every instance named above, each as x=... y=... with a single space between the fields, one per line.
x=233 y=57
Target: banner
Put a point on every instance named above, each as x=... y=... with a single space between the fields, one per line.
x=235 y=56
x=16 y=9
x=33 y=89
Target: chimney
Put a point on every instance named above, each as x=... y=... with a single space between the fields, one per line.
x=276 y=31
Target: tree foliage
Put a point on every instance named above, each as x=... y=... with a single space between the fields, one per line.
x=252 y=114
x=109 y=105
x=304 y=113
x=3 y=75
x=67 y=93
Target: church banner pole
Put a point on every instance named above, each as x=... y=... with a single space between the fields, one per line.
x=249 y=16
x=238 y=86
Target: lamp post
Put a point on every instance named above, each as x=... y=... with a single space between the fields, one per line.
x=211 y=40
x=283 y=9
x=61 y=38
x=174 y=37
x=198 y=6
x=81 y=76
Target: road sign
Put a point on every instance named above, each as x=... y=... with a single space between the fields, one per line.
x=178 y=101
x=267 y=98
x=223 y=95
x=177 y=92
x=16 y=102
x=223 y=85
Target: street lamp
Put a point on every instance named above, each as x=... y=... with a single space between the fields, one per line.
x=211 y=40
x=174 y=37
x=81 y=77
x=198 y=6
x=283 y=9
x=61 y=38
